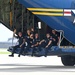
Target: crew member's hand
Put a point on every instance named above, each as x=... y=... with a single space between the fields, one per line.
x=32 y=46
x=54 y=39
x=47 y=46
x=20 y=46
x=40 y=43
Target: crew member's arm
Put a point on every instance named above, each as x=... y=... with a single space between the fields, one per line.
x=42 y=41
x=22 y=43
x=54 y=39
x=14 y=34
x=49 y=44
x=58 y=40
x=35 y=44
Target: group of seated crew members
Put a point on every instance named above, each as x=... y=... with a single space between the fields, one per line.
x=31 y=40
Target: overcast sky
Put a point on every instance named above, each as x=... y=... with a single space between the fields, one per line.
x=5 y=33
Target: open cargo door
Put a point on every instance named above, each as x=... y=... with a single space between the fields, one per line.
x=57 y=16
x=10 y=14
x=6 y=13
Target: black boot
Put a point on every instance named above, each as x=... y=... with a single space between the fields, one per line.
x=45 y=53
x=11 y=55
x=32 y=54
x=19 y=55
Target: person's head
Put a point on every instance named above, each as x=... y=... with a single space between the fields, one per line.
x=32 y=29
x=53 y=31
x=28 y=32
x=31 y=36
x=36 y=35
x=20 y=34
x=48 y=35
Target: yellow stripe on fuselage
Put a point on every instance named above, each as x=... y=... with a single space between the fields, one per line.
x=45 y=9
x=48 y=14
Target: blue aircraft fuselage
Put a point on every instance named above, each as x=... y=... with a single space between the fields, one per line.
x=58 y=14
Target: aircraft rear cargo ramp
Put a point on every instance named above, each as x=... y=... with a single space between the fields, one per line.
x=57 y=16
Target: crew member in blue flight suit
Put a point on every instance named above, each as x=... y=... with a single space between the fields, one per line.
x=30 y=42
x=35 y=43
x=46 y=43
x=55 y=38
x=21 y=42
x=49 y=43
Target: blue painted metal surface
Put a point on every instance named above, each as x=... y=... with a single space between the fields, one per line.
x=58 y=23
x=55 y=50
